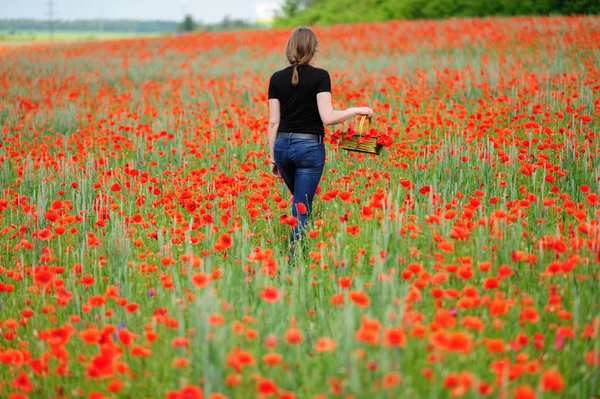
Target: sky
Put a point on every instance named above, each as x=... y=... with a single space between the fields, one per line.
x=206 y=11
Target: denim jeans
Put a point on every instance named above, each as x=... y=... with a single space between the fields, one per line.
x=300 y=163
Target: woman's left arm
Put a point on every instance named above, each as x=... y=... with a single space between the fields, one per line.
x=274 y=117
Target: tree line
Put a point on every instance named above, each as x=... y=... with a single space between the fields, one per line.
x=87 y=25
x=188 y=24
x=227 y=23
x=326 y=12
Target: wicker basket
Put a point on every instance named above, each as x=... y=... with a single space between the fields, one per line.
x=369 y=145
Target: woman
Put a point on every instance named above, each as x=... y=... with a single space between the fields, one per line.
x=299 y=106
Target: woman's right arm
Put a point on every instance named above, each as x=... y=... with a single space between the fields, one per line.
x=329 y=116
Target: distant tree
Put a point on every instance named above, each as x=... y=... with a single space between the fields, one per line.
x=188 y=24
x=291 y=8
x=228 y=24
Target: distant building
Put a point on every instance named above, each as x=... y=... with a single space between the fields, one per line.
x=266 y=12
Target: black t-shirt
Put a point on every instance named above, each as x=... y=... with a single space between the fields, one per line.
x=299 y=110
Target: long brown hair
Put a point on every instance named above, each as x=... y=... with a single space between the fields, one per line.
x=300 y=49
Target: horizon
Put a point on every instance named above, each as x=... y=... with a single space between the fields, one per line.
x=96 y=19
x=134 y=10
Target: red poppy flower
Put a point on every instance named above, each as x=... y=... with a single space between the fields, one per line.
x=44 y=234
x=552 y=380
x=293 y=336
x=22 y=382
x=270 y=294
x=225 y=240
x=360 y=298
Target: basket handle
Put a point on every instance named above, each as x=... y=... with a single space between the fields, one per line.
x=361 y=124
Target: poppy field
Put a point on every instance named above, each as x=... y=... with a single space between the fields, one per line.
x=144 y=243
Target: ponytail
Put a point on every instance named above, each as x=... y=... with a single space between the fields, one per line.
x=295 y=76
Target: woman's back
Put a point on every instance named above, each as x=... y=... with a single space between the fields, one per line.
x=299 y=109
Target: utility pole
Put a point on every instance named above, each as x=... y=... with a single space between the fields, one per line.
x=51 y=18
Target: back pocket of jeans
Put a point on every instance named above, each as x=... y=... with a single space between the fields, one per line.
x=310 y=155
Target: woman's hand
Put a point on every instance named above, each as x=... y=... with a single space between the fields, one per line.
x=274 y=170
x=365 y=111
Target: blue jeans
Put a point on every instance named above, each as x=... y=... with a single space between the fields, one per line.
x=300 y=163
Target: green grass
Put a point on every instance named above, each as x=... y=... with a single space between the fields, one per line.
x=68 y=36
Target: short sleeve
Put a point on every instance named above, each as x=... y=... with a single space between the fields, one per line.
x=325 y=83
x=272 y=92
